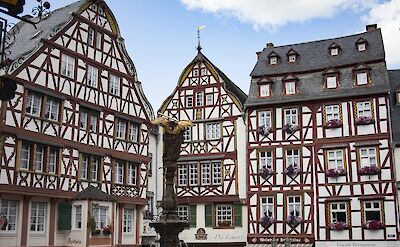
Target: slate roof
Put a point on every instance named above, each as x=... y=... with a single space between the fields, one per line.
x=394 y=78
x=314 y=58
x=95 y=194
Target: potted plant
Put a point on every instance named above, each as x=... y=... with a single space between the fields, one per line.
x=266 y=172
x=294 y=220
x=369 y=170
x=267 y=220
x=107 y=229
x=291 y=170
x=374 y=225
x=92 y=225
x=340 y=225
x=264 y=130
x=335 y=172
x=333 y=123
x=96 y=232
x=290 y=128
x=364 y=120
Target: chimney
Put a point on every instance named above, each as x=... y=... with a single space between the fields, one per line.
x=258 y=54
x=270 y=45
x=371 y=27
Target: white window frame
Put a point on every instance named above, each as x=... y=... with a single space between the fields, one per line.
x=290 y=87
x=121 y=128
x=267 y=204
x=371 y=206
x=294 y=205
x=91 y=34
x=332 y=112
x=189 y=101
x=223 y=213
x=192 y=174
x=335 y=158
x=52 y=165
x=331 y=81
x=67 y=66
x=187 y=135
x=205 y=173
x=128 y=220
x=195 y=72
x=264 y=118
x=94 y=168
x=266 y=158
x=38 y=217
x=338 y=207
x=292 y=58
x=9 y=209
x=119 y=172
x=362 y=78
x=52 y=109
x=199 y=98
x=362 y=47
x=213 y=131
x=182 y=175
x=334 y=51
x=26 y=150
x=209 y=99
x=183 y=212
x=364 y=109
x=368 y=156
x=77 y=217
x=265 y=90
x=133 y=132
x=39 y=158
x=99 y=40
x=216 y=172
x=273 y=60
x=115 y=85
x=92 y=76
x=132 y=173
x=291 y=116
x=293 y=158
x=100 y=214
x=34 y=103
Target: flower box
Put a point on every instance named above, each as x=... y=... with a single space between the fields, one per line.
x=266 y=172
x=294 y=220
x=96 y=232
x=290 y=129
x=369 y=170
x=291 y=170
x=107 y=230
x=374 y=225
x=333 y=123
x=224 y=223
x=364 y=120
x=267 y=221
x=332 y=173
x=339 y=226
x=264 y=130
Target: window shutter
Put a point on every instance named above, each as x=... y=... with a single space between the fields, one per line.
x=193 y=214
x=237 y=211
x=64 y=216
x=209 y=215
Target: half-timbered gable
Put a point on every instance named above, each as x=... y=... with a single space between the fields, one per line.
x=79 y=118
x=211 y=165
x=319 y=144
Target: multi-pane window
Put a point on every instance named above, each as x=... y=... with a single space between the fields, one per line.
x=121 y=128
x=99 y=40
x=210 y=99
x=199 y=98
x=189 y=101
x=293 y=158
x=77 y=216
x=88 y=120
x=38 y=216
x=211 y=172
x=264 y=118
x=266 y=159
x=290 y=87
x=364 y=109
x=291 y=116
x=372 y=210
x=195 y=72
x=338 y=212
x=217 y=172
x=335 y=159
x=292 y=58
x=182 y=175
x=90 y=36
x=100 y=214
x=131 y=173
x=133 y=132
x=224 y=215
x=332 y=112
x=92 y=76
x=362 y=78
x=89 y=167
x=187 y=135
x=213 y=131
x=33 y=104
x=52 y=109
x=125 y=172
x=334 y=51
x=267 y=206
x=127 y=129
x=205 y=173
x=9 y=210
x=67 y=66
x=115 y=85
x=273 y=60
x=128 y=220
x=265 y=90
x=361 y=46
x=368 y=156
x=331 y=81
x=192 y=174
x=183 y=212
x=46 y=157
x=294 y=206
x=119 y=172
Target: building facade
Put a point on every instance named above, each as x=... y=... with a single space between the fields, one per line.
x=320 y=168
x=74 y=170
x=211 y=168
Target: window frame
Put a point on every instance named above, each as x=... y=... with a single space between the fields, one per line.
x=88 y=120
x=361 y=47
x=293 y=90
x=219 y=209
x=182 y=176
x=363 y=103
x=331 y=115
x=183 y=212
x=215 y=133
x=36 y=216
x=334 y=49
x=294 y=204
x=263 y=117
x=199 y=98
x=187 y=134
x=266 y=203
x=368 y=156
x=292 y=58
x=336 y=76
x=75 y=220
x=335 y=159
x=89 y=170
x=92 y=71
x=357 y=79
x=338 y=210
x=291 y=115
x=264 y=90
x=98 y=216
x=273 y=60
x=209 y=99
x=372 y=202
x=293 y=158
x=45 y=158
x=268 y=158
x=126 y=227
x=114 y=85
x=91 y=36
x=9 y=215
x=189 y=101
x=67 y=62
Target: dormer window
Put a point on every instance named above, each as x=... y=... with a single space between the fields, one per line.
x=292 y=58
x=361 y=77
x=273 y=60
x=361 y=44
x=265 y=90
x=290 y=87
x=334 y=51
x=398 y=97
x=331 y=78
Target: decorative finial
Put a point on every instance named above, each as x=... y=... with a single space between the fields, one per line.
x=41 y=9
x=198 y=36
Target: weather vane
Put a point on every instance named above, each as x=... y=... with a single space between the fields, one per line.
x=198 y=36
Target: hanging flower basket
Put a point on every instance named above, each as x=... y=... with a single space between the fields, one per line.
x=333 y=123
x=332 y=173
x=291 y=170
x=294 y=220
x=339 y=226
x=369 y=170
x=266 y=172
x=374 y=225
x=290 y=129
x=264 y=130
x=364 y=120
x=267 y=221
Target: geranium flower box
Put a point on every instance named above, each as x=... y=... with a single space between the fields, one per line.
x=266 y=172
x=264 y=130
x=369 y=170
x=339 y=226
x=294 y=220
x=290 y=128
x=335 y=172
x=267 y=221
x=364 y=120
x=291 y=170
x=333 y=123
x=373 y=225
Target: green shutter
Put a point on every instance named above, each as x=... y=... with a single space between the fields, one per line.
x=209 y=215
x=237 y=211
x=193 y=214
x=64 y=216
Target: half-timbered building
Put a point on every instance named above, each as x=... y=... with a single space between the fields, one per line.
x=74 y=169
x=211 y=168
x=320 y=165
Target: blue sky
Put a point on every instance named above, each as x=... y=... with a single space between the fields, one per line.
x=161 y=36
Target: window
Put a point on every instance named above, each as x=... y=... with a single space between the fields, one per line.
x=362 y=78
x=210 y=99
x=364 y=109
x=52 y=108
x=331 y=81
x=224 y=215
x=293 y=158
x=119 y=172
x=192 y=174
x=294 y=206
x=203 y=71
x=361 y=46
x=189 y=101
x=335 y=159
x=38 y=216
x=91 y=36
x=150 y=202
x=9 y=209
x=46 y=158
x=292 y=58
x=39 y=158
x=183 y=212
x=89 y=167
x=334 y=51
x=33 y=104
x=266 y=159
x=195 y=72
x=264 y=118
x=122 y=126
x=128 y=220
x=265 y=90
x=53 y=156
x=100 y=214
x=92 y=74
x=338 y=212
x=211 y=172
x=267 y=206
x=133 y=132
x=115 y=85
x=25 y=156
x=368 y=156
x=332 y=112
x=121 y=129
x=182 y=175
x=99 y=40
x=88 y=120
x=291 y=116
x=199 y=99
x=273 y=60
x=67 y=66
x=187 y=135
x=125 y=172
x=131 y=173
x=205 y=173
x=372 y=211
x=217 y=172
x=290 y=87
x=77 y=217
x=213 y=131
